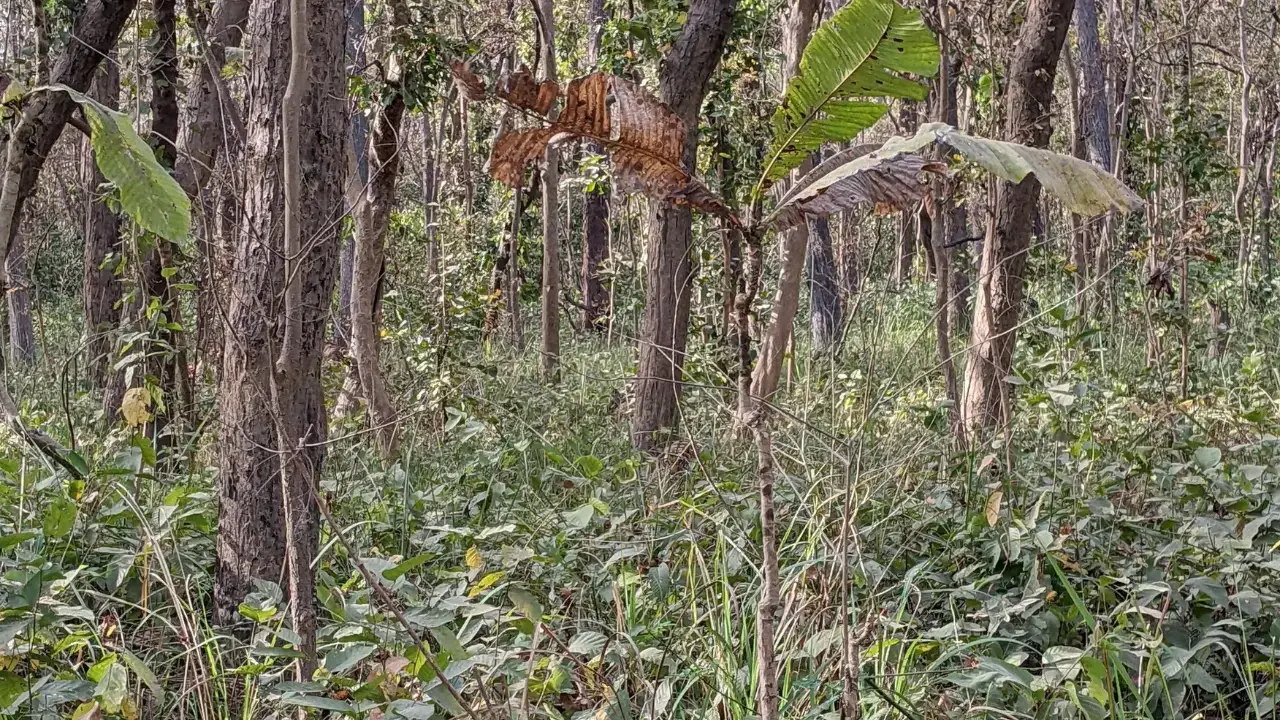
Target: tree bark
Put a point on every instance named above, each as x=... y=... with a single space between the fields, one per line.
x=373 y=218
x=595 y=237
x=22 y=334
x=1093 y=89
x=1028 y=99
x=670 y=265
x=825 y=310
x=214 y=124
x=101 y=288
x=251 y=532
x=550 y=216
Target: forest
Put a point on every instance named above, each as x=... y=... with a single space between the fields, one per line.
x=639 y=359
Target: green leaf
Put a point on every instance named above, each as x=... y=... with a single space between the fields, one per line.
x=588 y=643
x=579 y=517
x=863 y=51
x=590 y=465
x=9 y=541
x=59 y=518
x=319 y=702
x=147 y=192
x=112 y=688
x=449 y=643
x=526 y=604
x=1207 y=457
x=411 y=710
x=412 y=563
x=144 y=673
x=345 y=658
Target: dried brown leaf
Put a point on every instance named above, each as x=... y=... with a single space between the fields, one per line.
x=513 y=150
x=524 y=92
x=645 y=139
x=469 y=84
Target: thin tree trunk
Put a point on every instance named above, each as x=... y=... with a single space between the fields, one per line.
x=1028 y=99
x=550 y=217
x=595 y=238
x=101 y=288
x=794 y=247
x=670 y=264
x=906 y=249
x=22 y=334
x=373 y=218
x=826 y=314
x=942 y=233
x=1246 y=134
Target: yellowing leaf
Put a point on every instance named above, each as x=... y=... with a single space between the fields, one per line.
x=486 y=582
x=993 y=507
x=475 y=560
x=136 y=406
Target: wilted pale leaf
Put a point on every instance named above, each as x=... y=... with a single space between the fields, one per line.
x=992 y=511
x=135 y=407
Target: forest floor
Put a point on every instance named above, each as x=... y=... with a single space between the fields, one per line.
x=1113 y=557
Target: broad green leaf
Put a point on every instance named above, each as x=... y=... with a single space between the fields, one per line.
x=412 y=563
x=345 y=658
x=148 y=194
x=526 y=604
x=59 y=518
x=1207 y=457
x=144 y=673
x=579 y=517
x=411 y=710
x=863 y=51
x=590 y=465
x=318 y=702
x=112 y=688
x=588 y=643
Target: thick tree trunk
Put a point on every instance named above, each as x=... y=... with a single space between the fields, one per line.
x=1028 y=99
x=101 y=288
x=595 y=237
x=670 y=267
x=251 y=533
x=1093 y=89
x=550 y=217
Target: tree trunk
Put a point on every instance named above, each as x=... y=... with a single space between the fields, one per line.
x=1093 y=89
x=773 y=346
x=101 y=287
x=360 y=148
x=1246 y=138
x=22 y=334
x=906 y=249
x=373 y=218
x=166 y=360
x=1027 y=101
x=251 y=533
x=826 y=315
x=595 y=238
x=213 y=126
x=550 y=217
x=670 y=269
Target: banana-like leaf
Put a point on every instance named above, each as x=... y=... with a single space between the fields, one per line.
x=894 y=174
x=148 y=193
x=862 y=52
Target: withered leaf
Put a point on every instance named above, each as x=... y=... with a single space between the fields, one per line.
x=469 y=84
x=521 y=90
x=644 y=138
